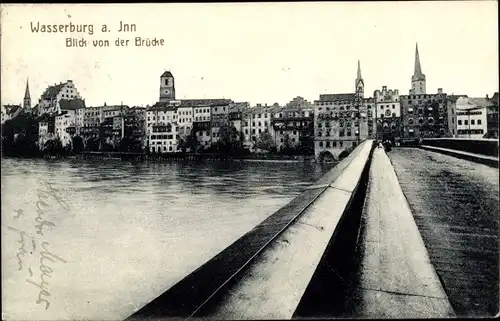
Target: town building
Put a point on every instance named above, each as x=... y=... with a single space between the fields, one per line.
x=471 y=117
x=293 y=125
x=424 y=115
x=341 y=121
x=387 y=111
x=65 y=126
x=256 y=125
x=51 y=97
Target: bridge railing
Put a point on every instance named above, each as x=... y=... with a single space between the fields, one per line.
x=487 y=147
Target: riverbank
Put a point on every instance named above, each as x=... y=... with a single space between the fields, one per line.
x=179 y=156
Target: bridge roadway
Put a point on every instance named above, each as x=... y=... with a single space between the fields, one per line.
x=455 y=205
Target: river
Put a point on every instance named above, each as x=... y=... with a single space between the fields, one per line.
x=99 y=239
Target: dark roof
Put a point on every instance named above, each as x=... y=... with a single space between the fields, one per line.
x=12 y=109
x=71 y=104
x=495 y=97
x=335 y=97
x=167 y=74
x=204 y=102
x=52 y=91
x=162 y=105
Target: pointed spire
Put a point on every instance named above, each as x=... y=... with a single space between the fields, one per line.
x=27 y=92
x=359 y=71
x=418 y=69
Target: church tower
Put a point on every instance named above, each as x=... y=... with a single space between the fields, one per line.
x=167 y=87
x=27 y=98
x=359 y=84
x=418 y=78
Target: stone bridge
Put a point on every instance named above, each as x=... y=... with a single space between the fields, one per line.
x=410 y=233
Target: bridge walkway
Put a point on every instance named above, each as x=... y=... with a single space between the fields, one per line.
x=455 y=205
x=394 y=277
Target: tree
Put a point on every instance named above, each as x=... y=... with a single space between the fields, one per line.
x=265 y=141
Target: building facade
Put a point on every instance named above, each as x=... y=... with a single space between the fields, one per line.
x=341 y=121
x=387 y=110
x=471 y=116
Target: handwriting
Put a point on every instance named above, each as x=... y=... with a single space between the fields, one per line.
x=46 y=272
x=22 y=250
x=53 y=193
x=19 y=213
x=43 y=197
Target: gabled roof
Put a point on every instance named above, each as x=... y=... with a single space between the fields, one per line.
x=71 y=104
x=52 y=91
x=167 y=74
x=12 y=109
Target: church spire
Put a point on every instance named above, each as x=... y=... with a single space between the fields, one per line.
x=417 y=74
x=359 y=71
x=27 y=97
x=27 y=92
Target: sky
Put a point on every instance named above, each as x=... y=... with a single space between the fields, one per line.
x=254 y=52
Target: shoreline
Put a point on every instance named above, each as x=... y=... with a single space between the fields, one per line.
x=173 y=157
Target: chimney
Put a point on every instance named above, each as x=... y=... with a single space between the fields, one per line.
x=487 y=96
x=440 y=90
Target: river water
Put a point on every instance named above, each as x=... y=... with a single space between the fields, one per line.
x=100 y=239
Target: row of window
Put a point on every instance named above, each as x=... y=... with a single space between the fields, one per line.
x=472 y=122
x=341 y=133
x=472 y=131
x=328 y=144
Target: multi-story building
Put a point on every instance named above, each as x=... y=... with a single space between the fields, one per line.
x=471 y=117
x=50 y=99
x=46 y=129
x=293 y=124
x=162 y=129
x=219 y=122
x=342 y=121
x=65 y=125
x=256 y=121
x=424 y=115
x=387 y=111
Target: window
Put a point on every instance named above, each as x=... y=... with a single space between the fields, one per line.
x=479 y=121
x=459 y=122
x=327 y=144
x=393 y=106
x=472 y=122
x=320 y=144
x=466 y=122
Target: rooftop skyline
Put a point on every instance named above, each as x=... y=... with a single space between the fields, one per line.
x=255 y=52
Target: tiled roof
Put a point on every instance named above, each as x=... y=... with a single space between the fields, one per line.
x=52 y=91
x=167 y=74
x=71 y=104
x=162 y=106
x=495 y=97
x=334 y=97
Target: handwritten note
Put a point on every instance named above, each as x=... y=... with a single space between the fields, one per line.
x=36 y=245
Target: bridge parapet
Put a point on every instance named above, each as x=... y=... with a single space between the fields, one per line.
x=487 y=147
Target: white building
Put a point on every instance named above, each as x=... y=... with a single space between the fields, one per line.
x=471 y=116
x=63 y=123
x=162 y=129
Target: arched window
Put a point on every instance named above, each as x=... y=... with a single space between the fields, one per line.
x=430 y=120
